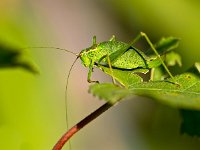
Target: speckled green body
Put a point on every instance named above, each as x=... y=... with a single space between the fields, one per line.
x=131 y=59
x=116 y=55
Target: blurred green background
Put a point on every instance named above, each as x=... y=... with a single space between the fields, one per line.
x=32 y=110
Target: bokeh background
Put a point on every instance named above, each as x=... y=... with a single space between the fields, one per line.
x=32 y=107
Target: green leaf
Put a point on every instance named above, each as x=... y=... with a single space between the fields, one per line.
x=167 y=44
x=173 y=58
x=11 y=57
x=185 y=93
x=109 y=92
x=191 y=118
x=195 y=69
x=164 y=45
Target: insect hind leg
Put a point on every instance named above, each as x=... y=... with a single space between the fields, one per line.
x=142 y=34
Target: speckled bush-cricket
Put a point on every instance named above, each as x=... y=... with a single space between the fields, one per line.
x=115 y=54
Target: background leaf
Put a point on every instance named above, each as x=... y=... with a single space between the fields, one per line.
x=167 y=44
x=11 y=57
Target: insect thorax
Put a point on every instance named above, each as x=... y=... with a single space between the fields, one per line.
x=96 y=52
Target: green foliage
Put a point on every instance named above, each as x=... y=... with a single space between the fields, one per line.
x=181 y=92
x=184 y=94
x=11 y=57
x=166 y=44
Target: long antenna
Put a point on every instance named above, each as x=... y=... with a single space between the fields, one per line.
x=66 y=92
x=62 y=49
x=68 y=75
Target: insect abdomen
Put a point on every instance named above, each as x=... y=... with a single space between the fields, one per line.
x=131 y=59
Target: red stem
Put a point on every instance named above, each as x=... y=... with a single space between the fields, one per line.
x=80 y=125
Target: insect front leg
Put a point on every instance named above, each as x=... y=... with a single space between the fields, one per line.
x=109 y=65
x=90 y=73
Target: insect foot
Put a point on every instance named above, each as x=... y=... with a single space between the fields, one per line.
x=90 y=81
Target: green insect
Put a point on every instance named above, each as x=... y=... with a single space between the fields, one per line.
x=115 y=54
x=119 y=55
